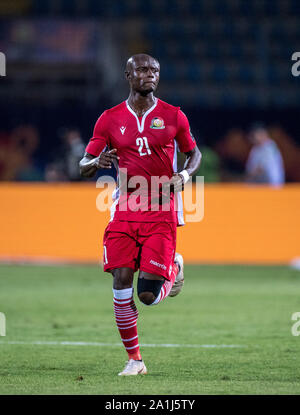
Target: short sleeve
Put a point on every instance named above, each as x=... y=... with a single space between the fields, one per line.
x=184 y=137
x=100 y=136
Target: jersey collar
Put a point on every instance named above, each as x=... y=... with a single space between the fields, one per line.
x=141 y=124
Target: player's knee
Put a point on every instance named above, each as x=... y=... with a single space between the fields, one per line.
x=148 y=290
x=147 y=297
x=123 y=278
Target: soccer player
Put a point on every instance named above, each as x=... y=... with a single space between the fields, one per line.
x=141 y=137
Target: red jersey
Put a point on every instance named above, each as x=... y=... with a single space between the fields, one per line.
x=147 y=147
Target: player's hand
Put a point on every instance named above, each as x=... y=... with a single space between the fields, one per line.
x=176 y=183
x=104 y=160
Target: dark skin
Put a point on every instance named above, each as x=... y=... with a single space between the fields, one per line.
x=142 y=73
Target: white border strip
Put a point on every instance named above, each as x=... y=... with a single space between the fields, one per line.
x=97 y=344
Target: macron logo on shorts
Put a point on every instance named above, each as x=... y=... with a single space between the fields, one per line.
x=158 y=265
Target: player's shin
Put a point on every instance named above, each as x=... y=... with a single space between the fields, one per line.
x=167 y=285
x=126 y=315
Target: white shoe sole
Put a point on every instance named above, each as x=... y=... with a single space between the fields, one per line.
x=140 y=372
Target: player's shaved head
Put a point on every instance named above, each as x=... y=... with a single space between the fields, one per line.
x=142 y=73
x=137 y=59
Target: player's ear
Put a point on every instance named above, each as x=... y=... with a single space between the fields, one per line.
x=127 y=75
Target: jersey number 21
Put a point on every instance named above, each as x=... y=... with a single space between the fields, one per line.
x=143 y=145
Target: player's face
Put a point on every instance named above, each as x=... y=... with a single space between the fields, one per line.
x=144 y=76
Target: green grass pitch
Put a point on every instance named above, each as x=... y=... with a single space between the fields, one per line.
x=250 y=307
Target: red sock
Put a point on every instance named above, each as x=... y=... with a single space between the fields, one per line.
x=166 y=287
x=126 y=315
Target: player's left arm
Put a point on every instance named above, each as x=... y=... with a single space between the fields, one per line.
x=193 y=161
x=188 y=146
x=192 y=164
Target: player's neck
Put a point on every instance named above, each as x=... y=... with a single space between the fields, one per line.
x=140 y=103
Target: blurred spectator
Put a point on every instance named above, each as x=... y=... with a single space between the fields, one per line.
x=55 y=172
x=290 y=152
x=17 y=152
x=233 y=150
x=65 y=166
x=264 y=164
x=75 y=150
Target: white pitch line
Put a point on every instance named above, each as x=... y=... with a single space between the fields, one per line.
x=97 y=344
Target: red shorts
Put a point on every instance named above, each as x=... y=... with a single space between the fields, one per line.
x=148 y=246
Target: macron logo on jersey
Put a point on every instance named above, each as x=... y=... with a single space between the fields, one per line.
x=158 y=265
x=122 y=129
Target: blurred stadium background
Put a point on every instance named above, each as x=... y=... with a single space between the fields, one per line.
x=226 y=63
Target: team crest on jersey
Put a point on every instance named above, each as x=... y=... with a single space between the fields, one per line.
x=157 y=123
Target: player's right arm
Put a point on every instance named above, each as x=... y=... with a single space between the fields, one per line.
x=89 y=164
x=95 y=158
